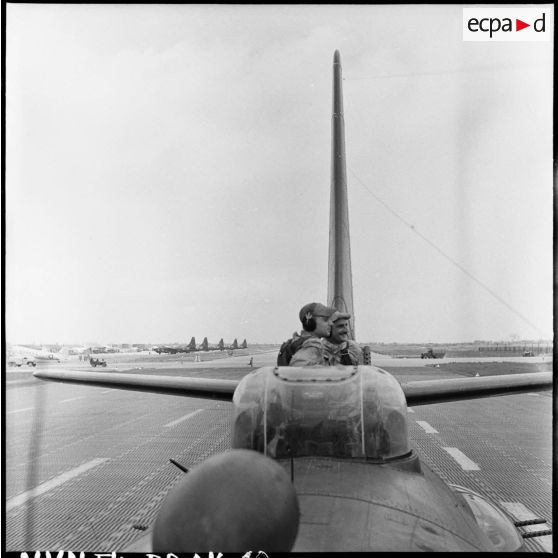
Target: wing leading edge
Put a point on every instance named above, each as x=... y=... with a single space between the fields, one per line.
x=417 y=393
x=170 y=385
x=425 y=392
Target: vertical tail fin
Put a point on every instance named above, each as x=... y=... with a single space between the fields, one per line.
x=192 y=344
x=340 y=280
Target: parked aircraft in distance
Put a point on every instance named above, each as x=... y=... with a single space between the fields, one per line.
x=235 y=345
x=206 y=346
x=193 y=347
x=174 y=349
x=322 y=459
x=161 y=349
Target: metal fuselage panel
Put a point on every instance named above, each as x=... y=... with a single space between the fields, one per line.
x=357 y=506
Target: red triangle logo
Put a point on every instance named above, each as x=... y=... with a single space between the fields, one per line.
x=519 y=25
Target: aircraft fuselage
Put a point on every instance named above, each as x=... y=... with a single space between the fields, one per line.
x=362 y=506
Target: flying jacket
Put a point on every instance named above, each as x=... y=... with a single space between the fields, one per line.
x=321 y=352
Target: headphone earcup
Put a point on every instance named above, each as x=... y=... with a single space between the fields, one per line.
x=310 y=324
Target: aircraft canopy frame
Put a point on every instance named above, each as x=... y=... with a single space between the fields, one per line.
x=336 y=411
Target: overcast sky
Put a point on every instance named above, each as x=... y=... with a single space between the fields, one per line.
x=168 y=173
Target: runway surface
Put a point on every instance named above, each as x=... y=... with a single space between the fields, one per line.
x=87 y=468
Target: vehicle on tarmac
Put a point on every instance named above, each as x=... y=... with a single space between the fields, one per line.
x=21 y=360
x=431 y=354
x=33 y=353
x=97 y=362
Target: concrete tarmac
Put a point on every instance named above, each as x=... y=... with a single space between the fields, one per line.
x=87 y=468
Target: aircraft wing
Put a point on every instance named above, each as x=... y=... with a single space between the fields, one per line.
x=425 y=392
x=417 y=393
x=170 y=385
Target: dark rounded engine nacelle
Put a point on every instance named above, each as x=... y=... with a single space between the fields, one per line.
x=234 y=502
